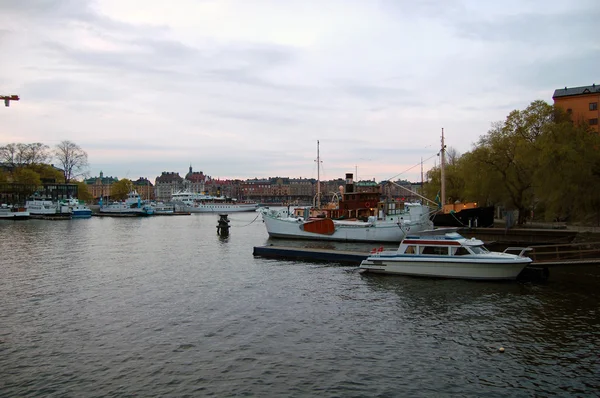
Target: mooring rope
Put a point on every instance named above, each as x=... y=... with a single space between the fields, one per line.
x=258 y=215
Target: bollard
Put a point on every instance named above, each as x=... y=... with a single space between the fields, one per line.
x=223 y=225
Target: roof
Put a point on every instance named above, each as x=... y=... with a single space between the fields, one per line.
x=566 y=92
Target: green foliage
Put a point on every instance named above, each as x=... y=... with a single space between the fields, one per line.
x=25 y=175
x=568 y=177
x=83 y=193
x=48 y=173
x=120 y=189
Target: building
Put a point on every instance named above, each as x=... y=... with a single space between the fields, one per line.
x=166 y=185
x=100 y=186
x=581 y=103
x=195 y=181
x=144 y=188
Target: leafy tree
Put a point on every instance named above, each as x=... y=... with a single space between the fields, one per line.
x=568 y=179
x=71 y=158
x=83 y=193
x=120 y=189
x=508 y=156
x=25 y=175
x=48 y=172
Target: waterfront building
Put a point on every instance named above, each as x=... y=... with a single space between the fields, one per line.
x=100 y=186
x=581 y=103
x=144 y=188
x=195 y=181
x=166 y=185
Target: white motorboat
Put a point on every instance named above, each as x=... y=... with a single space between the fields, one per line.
x=75 y=207
x=8 y=212
x=132 y=206
x=389 y=228
x=38 y=206
x=447 y=256
x=199 y=203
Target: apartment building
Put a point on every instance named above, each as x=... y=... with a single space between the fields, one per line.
x=581 y=103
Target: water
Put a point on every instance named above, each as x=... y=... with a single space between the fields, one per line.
x=164 y=307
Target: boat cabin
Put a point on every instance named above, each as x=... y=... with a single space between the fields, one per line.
x=449 y=244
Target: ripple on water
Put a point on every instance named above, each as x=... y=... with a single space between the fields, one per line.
x=163 y=307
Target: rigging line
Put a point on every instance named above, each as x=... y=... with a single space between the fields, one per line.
x=410 y=168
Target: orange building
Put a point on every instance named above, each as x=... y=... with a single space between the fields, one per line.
x=581 y=103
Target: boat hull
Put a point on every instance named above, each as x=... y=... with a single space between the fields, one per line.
x=220 y=208
x=482 y=217
x=426 y=267
x=15 y=216
x=355 y=231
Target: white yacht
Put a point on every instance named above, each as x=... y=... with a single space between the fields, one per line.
x=447 y=256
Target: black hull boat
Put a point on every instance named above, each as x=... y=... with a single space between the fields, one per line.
x=478 y=217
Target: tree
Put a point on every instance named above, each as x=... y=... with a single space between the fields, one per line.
x=83 y=193
x=71 y=158
x=48 y=172
x=17 y=155
x=120 y=189
x=568 y=179
x=26 y=176
x=508 y=155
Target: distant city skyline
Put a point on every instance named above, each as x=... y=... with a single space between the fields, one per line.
x=243 y=89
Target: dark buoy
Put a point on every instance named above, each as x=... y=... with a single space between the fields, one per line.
x=223 y=225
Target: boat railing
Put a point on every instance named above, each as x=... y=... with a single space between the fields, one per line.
x=521 y=250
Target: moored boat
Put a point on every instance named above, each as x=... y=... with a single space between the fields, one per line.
x=199 y=203
x=77 y=208
x=8 y=212
x=132 y=206
x=414 y=217
x=449 y=255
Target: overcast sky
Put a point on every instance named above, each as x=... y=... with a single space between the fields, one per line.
x=245 y=88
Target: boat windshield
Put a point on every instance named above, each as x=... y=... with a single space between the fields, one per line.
x=479 y=249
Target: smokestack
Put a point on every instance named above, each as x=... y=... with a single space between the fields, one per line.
x=349 y=183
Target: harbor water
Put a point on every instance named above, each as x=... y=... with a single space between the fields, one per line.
x=163 y=306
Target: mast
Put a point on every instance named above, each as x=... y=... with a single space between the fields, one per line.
x=318 y=177
x=442 y=166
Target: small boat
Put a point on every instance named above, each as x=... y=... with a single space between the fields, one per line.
x=161 y=208
x=46 y=209
x=77 y=208
x=449 y=255
x=132 y=206
x=8 y=212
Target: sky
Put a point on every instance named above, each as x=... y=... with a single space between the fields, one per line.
x=246 y=88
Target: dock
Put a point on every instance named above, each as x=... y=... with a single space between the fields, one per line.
x=311 y=254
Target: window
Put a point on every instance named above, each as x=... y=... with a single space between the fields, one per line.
x=594 y=122
x=593 y=106
x=410 y=250
x=569 y=111
x=437 y=250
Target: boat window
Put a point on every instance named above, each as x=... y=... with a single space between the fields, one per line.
x=460 y=251
x=410 y=250
x=437 y=250
x=479 y=249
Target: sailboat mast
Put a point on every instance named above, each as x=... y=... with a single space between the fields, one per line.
x=318 y=177
x=443 y=163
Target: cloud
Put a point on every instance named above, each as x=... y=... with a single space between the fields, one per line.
x=245 y=89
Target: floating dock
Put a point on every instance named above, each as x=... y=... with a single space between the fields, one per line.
x=312 y=254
